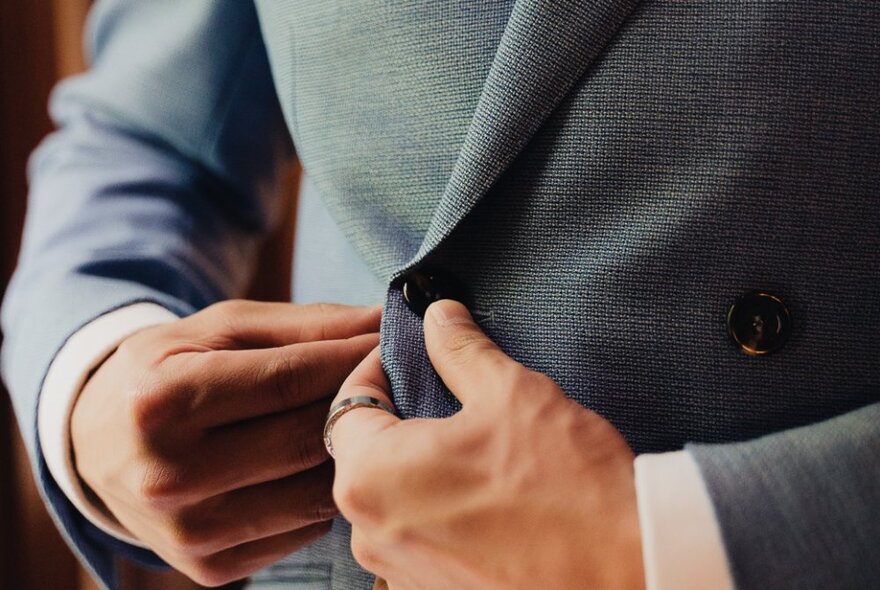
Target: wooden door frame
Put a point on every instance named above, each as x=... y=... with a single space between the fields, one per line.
x=31 y=552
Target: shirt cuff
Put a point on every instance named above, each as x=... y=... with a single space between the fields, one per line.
x=681 y=540
x=67 y=374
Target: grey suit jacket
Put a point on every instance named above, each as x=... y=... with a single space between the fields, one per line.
x=602 y=180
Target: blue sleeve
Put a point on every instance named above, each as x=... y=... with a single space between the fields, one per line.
x=156 y=187
x=800 y=509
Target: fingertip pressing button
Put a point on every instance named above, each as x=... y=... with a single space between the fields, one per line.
x=424 y=286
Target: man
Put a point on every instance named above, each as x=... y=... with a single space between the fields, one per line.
x=664 y=211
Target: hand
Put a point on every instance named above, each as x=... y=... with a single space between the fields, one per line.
x=203 y=437
x=523 y=488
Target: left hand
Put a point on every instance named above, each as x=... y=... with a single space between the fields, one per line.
x=523 y=488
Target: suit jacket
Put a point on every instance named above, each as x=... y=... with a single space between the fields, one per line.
x=600 y=181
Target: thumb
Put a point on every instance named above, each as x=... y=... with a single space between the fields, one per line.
x=470 y=364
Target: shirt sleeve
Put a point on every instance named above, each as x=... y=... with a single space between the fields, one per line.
x=681 y=540
x=67 y=374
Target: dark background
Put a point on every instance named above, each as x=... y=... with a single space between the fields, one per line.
x=40 y=42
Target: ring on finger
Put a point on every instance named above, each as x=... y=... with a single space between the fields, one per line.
x=342 y=407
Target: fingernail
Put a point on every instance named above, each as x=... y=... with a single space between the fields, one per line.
x=447 y=312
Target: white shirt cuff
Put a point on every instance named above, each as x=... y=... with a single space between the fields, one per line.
x=67 y=374
x=681 y=541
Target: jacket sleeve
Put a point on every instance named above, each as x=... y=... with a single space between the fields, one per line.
x=155 y=187
x=800 y=508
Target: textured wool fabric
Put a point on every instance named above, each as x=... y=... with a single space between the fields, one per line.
x=836 y=480
x=705 y=149
x=604 y=177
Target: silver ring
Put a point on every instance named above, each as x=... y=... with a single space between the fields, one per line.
x=343 y=407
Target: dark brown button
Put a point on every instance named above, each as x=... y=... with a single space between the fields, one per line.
x=423 y=287
x=759 y=323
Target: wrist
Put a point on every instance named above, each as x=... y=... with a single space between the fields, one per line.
x=631 y=573
x=607 y=529
x=622 y=564
x=72 y=366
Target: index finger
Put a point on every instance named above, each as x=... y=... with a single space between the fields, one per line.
x=354 y=427
x=227 y=386
x=249 y=324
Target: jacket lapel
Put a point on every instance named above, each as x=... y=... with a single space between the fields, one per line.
x=546 y=46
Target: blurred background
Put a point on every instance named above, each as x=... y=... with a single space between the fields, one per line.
x=40 y=43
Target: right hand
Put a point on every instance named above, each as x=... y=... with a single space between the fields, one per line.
x=203 y=437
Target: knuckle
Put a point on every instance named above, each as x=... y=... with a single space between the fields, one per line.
x=211 y=572
x=144 y=402
x=286 y=375
x=153 y=404
x=352 y=496
x=304 y=451
x=320 y=308
x=228 y=313
x=346 y=494
x=314 y=331
x=324 y=511
x=364 y=554
x=193 y=535
x=162 y=486
x=290 y=374
x=229 y=307
x=463 y=344
x=190 y=540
